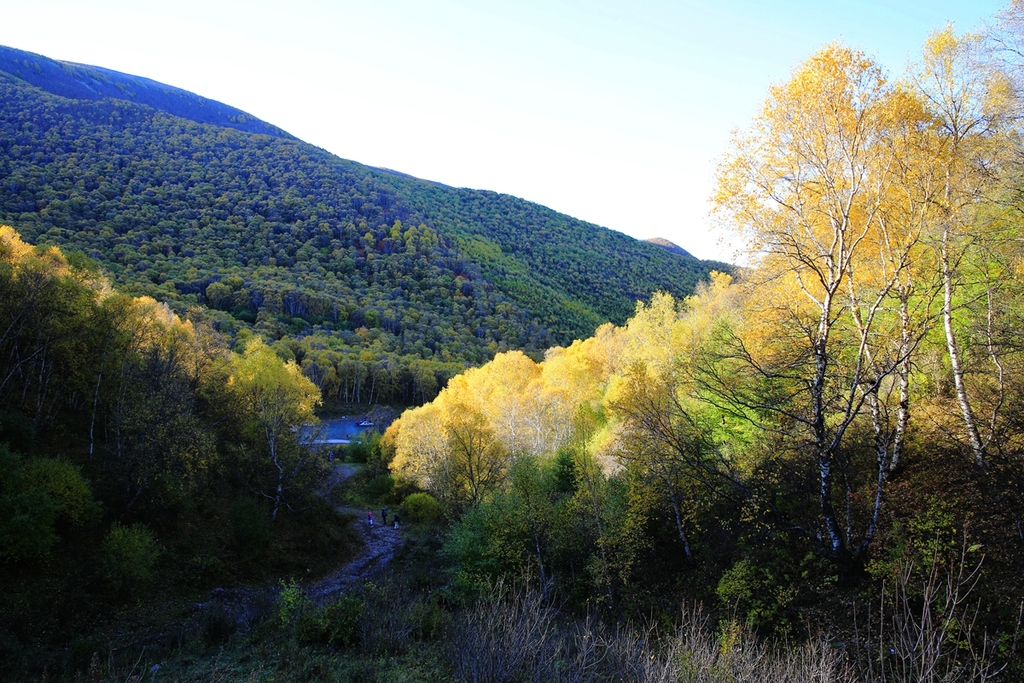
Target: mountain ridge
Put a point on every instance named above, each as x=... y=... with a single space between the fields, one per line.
x=306 y=240
x=82 y=81
x=669 y=246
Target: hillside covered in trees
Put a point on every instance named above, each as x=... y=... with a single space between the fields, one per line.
x=138 y=453
x=200 y=204
x=827 y=446
x=810 y=470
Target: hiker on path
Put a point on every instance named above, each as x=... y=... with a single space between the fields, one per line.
x=384 y=516
x=396 y=520
x=369 y=517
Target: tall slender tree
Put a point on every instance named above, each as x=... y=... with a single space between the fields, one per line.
x=278 y=399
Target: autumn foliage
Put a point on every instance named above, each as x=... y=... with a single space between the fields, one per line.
x=782 y=434
x=823 y=446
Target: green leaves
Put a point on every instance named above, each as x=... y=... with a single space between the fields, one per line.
x=27 y=514
x=276 y=400
x=129 y=556
x=276 y=234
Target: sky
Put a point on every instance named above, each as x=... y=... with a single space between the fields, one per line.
x=614 y=112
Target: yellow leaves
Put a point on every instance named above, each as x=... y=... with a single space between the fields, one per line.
x=652 y=333
x=24 y=258
x=834 y=185
x=146 y=321
x=580 y=370
x=449 y=448
x=12 y=248
x=510 y=406
x=666 y=336
x=774 y=311
x=419 y=443
x=959 y=81
x=515 y=407
x=973 y=99
x=836 y=86
x=273 y=390
x=941 y=46
x=807 y=180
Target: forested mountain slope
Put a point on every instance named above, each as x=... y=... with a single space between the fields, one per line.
x=81 y=82
x=189 y=201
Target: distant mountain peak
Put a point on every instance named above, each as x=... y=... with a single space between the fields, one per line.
x=669 y=246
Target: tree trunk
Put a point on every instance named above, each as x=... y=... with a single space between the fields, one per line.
x=822 y=443
x=540 y=564
x=679 y=528
x=903 y=377
x=952 y=348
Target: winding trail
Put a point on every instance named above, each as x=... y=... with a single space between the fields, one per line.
x=381 y=543
x=244 y=605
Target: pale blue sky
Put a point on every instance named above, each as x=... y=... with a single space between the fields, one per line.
x=610 y=111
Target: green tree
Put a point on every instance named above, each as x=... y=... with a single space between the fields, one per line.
x=27 y=514
x=277 y=399
x=975 y=109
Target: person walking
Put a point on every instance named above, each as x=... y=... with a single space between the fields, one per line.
x=396 y=520
x=384 y=516
x=369 y=517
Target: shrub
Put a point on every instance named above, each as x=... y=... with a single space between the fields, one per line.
x=292 y=603
x=217 y=625
x=381 y=487
x=26 y=515
x=17 y=431
x=337 y=623
x=758 y=595
x=129 y=556
x=203 y=570
x=249 y=527
x=356 y=452
x=26 y=532
x=64 y=484
x=421 y=507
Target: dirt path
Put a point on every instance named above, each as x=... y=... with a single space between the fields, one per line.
x=342 y=471
x=380 y=544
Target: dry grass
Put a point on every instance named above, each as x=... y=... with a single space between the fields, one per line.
x=515 y=636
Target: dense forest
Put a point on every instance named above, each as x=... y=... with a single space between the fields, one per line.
x=82 y=82
x=135 y=445
x=288 y=239
x=808 y=469
x=827 y=445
